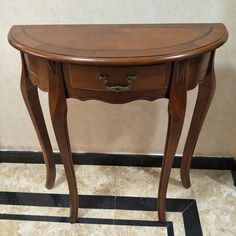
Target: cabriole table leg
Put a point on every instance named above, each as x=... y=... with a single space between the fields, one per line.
x=176 y=110
x=58 y=112
x=205 y=94
x=30 y=94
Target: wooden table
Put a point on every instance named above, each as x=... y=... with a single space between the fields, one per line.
x=118 y=64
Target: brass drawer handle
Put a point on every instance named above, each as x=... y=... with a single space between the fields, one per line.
x=131 y=77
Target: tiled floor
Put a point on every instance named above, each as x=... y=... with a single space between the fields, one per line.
x=213 y=191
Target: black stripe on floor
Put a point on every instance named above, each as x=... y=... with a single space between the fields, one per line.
x=92 y=201
x=188 y=208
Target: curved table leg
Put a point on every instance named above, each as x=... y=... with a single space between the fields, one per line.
x=205 y=94
x=30 y=94
x=58 y=111
x=176 y=109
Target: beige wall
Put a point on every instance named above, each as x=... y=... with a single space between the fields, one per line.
x=137 y=127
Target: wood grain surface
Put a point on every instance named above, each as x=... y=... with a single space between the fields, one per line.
x=117 y=44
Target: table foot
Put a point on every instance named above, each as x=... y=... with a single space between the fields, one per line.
x=51 y=176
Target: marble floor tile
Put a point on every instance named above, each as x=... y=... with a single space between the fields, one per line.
x=56 y=211
x=139 y=231
x=97 y=180
x=30 y=228
x=152 y=215
x=138 y=181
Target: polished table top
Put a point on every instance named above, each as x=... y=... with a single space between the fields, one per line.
x=118 y=44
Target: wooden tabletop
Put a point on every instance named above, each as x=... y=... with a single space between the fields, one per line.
x=117 y=44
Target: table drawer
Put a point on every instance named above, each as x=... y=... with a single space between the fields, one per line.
x=116 y=78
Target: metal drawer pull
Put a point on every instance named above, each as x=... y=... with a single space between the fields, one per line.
x=131 y=77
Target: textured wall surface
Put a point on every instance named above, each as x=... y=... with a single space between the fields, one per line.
x=137 y=127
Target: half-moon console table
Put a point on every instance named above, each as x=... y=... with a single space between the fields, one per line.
x=118 y=64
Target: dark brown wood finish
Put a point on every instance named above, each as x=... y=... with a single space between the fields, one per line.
x=118 y=64
x=58 y=112
x=206 y=91
x=129 y=44
x=176 y=111
x=30 y=94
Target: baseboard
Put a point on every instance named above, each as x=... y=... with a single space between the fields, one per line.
x=203 y=162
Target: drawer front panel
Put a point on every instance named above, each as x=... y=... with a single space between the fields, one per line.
x=117 y=79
